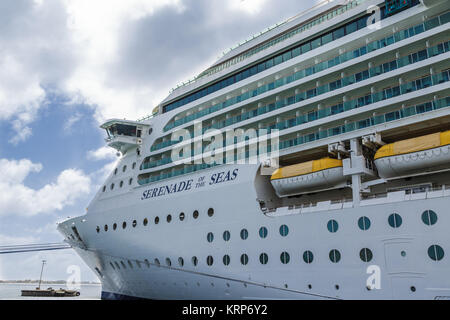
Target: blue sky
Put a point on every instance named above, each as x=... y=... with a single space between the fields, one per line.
x=66 y=66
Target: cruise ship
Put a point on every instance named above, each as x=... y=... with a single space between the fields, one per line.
x=311 y=161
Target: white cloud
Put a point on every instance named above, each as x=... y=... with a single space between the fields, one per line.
x=119 y=57
x=17 y=198
x=103 y=153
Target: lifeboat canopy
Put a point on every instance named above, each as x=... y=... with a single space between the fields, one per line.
x=307 y=177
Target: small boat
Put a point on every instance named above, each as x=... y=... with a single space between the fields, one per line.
x=430 y=152
x=307 y=177
x=49 y=292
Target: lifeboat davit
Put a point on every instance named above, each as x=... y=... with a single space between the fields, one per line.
x=308 y=177
x=421 y=154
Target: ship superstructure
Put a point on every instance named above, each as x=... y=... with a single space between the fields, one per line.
x=309 y=162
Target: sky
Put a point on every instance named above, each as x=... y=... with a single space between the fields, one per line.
x=68 y=65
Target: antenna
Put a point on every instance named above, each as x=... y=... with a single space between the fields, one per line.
x=42 y=270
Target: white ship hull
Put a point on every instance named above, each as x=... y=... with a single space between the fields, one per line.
x=274 y=280
x=334 y=85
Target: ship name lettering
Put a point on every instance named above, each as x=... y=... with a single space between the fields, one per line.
x=223 y=176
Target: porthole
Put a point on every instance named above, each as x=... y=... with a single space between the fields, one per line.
x=114 y=226
x=335 y=256
x=244 y=259
x=130 y=264
x=117 y=265
x=336 y=287
x=210 y=212
x=308 y=256
x=413 y=289
x=263 y=232
x=112 y=186
x=309 y=286
x=150 y=131
x=181 y=261
x=123 y=264
x=168 y=262
x=366 y=255
x=182 y=216
x=98 y=229
x=106 y=227
x=429 y=217
x=332 y=226
x=210 y=237
x=124 y=225
x=364 y=223
x=157 y=262
x=435 y=252
x=134 y=223
x=285 y=258
x=130 y=181
x=395 y=220
x=145 y=222
x=263 y=258
x=226 y=235
x=134 y=165
x=195 y=214
x=104 y=188
x=244 y=234
x=169 y=218
x=284 y=230
x=194 y=261
x=209 y=260
x=156 y=220
x=115 y=171
x=124 y=168
x=121 y=184
x=226 y=259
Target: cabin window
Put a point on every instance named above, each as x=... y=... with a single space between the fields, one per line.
x=182 y=216
x=395 y=220
x=98 y=229
x=244 y=234
x=285 y=258
x=130 y=181
x=134 y=223
x=284 y=230
x=157 y=262
x=210 y=237
x=335 y=256
x=308 y=256
x=169 y=218
x=104 y=188
x=145 y=222
x=364 y=223
x=263 y=232
x=156 y=220
x=226 y=235
x=366 y=255
x=332 y=226
x=124 y=168
x=263 y=258
x=180 y=261
x=112 y=186
x=209 y=260
x=244 y=259
x=210 y=212
x=195 y=214
x=168 y=262
x=435 y=252
x=121 y=184
x=226 y=259
x=114 y=226
x=124 y=225
x=106 y=227
x=429 y=217
x=194 y=260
